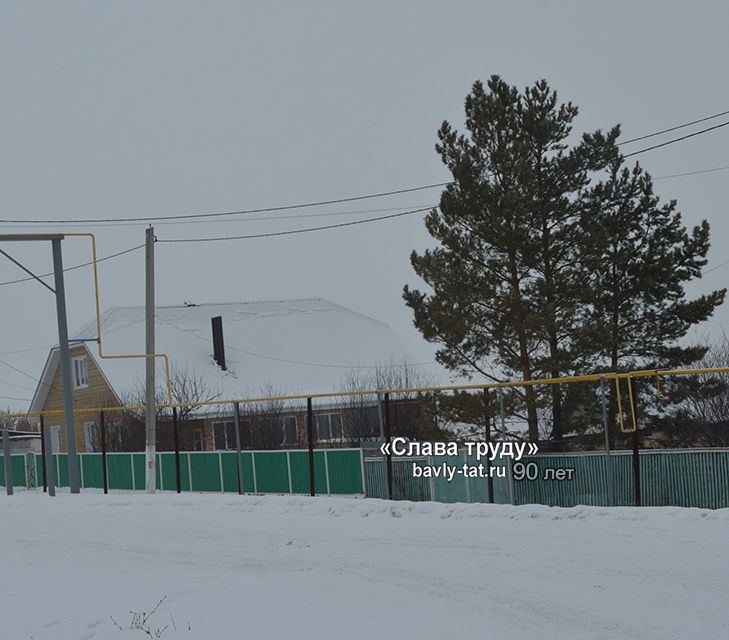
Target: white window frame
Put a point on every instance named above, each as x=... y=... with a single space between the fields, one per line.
x=328 y=416
x=80 y=381
x=90 y=437
x=55 y=438
x=228 y=446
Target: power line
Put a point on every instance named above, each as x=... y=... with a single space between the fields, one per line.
x=234 y=213
x=296 y=231
x=13 y=398
x=664 y=144
x=680 y=126
x=5 y=353
x=121 y=253
x=20 y=386
x=721 y=264
x=208 y=215
x=263 y=235
x=356 y=222
x=296 y=216
x=78 y=266
x=692 y=173
x=27 y=375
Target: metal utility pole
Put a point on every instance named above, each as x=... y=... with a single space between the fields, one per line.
x=73 y=461
x=60 y=294
x=509 y=475
x=608 y=463
x=151 y=425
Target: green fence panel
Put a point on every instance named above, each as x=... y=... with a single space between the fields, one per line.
x=478 y=488
x=62 y=469
x=247 y=471
x=417 y=489
x=375 y=475
x=17 y=470
x=119 y=471
x=140 y=475
x=300 y=472
x=404 y=485
x=205 y=471
x=272 y=474
x=41 y=469
x=688 y=479
x=92 y=470
x=454 y=490
x=168 y=473
x=12 y=470
x=345 y=471
x=168 y=476
x=230 y=471
x=18 y=463
x=585 y=483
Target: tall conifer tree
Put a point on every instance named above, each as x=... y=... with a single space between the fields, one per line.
x=639 y=257
x=505 y=275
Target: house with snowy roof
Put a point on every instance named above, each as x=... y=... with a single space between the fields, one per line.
x=251 y=350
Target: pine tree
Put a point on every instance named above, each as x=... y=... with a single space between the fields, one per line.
x=505 y=275
x=639 y=257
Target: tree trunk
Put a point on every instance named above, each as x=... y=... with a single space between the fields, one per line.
x=529 y=394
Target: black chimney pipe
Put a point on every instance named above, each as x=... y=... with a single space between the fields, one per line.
x=218 y=346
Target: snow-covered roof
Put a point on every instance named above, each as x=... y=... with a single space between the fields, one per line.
x=287 y=347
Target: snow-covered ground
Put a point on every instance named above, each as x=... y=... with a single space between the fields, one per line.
x=74 y=567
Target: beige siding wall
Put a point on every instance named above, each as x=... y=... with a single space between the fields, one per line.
x=96 y=394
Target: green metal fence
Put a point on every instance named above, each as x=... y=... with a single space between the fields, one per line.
x=336 y=471
x=688 y=478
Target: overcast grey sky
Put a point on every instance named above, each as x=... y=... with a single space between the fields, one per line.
x=163 y=108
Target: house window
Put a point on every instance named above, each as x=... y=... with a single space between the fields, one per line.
x=80 y=373
x=90 y=436
x=290 y=430
x=56 y=439
x=329 y=427
x=224 y=435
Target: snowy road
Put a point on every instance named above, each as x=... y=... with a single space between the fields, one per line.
x=279 y=567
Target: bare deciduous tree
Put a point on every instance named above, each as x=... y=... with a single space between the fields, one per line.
x=408 y=415
x=188 y=387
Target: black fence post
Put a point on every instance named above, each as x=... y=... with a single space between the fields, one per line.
x=388 y=439
x=43 y=453
x=310 y=438
x=175 y=432
x=236 y=417
x=489 y=479
x=8 y=463
x=102 y=426
x=636 y=453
